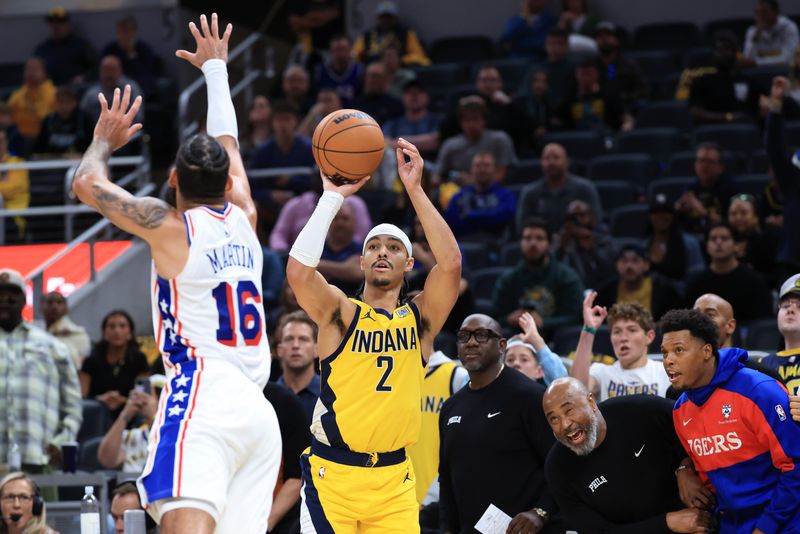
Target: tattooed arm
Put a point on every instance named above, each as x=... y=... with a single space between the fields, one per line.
x=149 y=218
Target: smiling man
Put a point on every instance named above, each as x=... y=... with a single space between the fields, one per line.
x=604 y=451
x=734 y=423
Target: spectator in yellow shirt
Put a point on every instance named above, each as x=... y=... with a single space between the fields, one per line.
x=14 y=187
x=389 y=32
x=31 y=103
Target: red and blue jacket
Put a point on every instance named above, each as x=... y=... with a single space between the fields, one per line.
x=744 y=445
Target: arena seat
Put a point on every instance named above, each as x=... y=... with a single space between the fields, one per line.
x=476 y=255
x=483 y=281
x=469 y=48
x=441 y=75
x=669 y=113
x=698 y=57
x=738 y=26
x=525 y=171
x=759 y=162
x=636 y=169
x=615 y=194
x=96 y=420
x=630 y=221
x=655 y=63
x=666 y=36
x=87 y=455
x=579 y=145
x=763 y=335
x=753 y=184
x=512 y=70
x=658 y=142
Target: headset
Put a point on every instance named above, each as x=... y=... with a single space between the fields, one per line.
x=37 y=507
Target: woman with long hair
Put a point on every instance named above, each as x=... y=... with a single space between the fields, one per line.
x=672 y=252
x=756 y=246
x=23 y=510
x=259 y=125
x=110 y=371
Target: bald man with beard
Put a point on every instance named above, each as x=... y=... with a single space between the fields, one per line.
x=614 y=466
x=720 y=311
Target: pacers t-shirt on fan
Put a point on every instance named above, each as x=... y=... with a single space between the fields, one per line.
x=370 y=395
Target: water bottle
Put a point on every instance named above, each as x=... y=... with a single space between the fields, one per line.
x=14 y=458
x=90 y=512
x=134 y=522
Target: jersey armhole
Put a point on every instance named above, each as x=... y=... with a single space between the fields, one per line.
x=418 y=319
x=187 y=220
x=347 y=335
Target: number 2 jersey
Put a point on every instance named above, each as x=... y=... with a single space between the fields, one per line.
x=213 y=309
x=370 y=394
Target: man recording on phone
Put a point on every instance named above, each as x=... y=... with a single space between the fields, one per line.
x=124 y=448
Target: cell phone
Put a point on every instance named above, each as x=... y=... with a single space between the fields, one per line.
x=143 y=385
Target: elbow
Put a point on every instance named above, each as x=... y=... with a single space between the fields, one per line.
x=452 y=264
x=296 y=273
x=81 y=186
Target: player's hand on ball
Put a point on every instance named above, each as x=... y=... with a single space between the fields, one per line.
x=209 y=44
x=346 y=188
x=410 y=171
x=115 y=125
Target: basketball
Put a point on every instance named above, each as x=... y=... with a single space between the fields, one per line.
x=348 y=145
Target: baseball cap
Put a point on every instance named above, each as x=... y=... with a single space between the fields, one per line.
x=387 y=7
x=12 y=278
x=390 y=230
x=57 y=14
x=661 y=203
x=791 y=285
x=605 y=26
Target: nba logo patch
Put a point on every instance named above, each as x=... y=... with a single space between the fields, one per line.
x=780 y=412
x=402 y=312
x=322 y=472
x=726 y=410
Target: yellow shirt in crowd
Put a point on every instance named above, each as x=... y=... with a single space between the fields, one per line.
x=30 y=106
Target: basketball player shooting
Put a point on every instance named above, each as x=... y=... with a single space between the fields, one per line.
x=215 y=446
x=373 y=352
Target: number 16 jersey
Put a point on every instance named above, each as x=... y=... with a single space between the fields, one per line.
x=213 y=308
x=369 y=398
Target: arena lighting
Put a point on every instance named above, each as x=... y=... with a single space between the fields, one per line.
x=67 y=274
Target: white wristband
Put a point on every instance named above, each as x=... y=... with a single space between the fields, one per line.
x=221 y=117
x=307 y=248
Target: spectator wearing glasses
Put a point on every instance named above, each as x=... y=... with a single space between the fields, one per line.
x=705 y=201
x=497 y=419
x=23 y=510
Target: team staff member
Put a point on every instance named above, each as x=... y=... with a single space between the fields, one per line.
x=373 y=353
x=494 y=440
x=613 y=469
x=734 y=423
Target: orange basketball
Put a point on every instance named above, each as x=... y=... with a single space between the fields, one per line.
x=348 y=145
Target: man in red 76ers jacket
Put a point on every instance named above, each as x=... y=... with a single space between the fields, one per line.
x=734 y=423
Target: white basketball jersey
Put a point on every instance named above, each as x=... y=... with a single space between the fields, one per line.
x=214 y=308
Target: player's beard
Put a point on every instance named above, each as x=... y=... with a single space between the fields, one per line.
x=590 y=439
x=381 y=282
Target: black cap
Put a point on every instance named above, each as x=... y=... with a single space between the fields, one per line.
x=661 y=203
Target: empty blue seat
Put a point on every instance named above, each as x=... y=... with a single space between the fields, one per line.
x=637 y=169
x=753 y=184
x=667 y=36
x=741 y=138
x=658 y=142
x=483 y=281
x=579 y=145
x=630 y=221
x=469 y=48
x=441 y=75
x=616 y=193
x=669 y=113
x=655 y=63
x=525 y=171
x=96 y=420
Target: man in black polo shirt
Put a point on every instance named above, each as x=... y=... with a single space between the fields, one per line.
x=614 y=468
x=494 y=440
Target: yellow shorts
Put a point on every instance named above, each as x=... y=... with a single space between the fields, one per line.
x=342 y=494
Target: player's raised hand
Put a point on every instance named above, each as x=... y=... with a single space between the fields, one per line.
x=209 y=44
x=346 y=188
x=593 y=316
x=115 y=126
x=410 y=171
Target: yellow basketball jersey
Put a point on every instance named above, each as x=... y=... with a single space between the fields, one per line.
x=437 y=388
x=369 y=399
